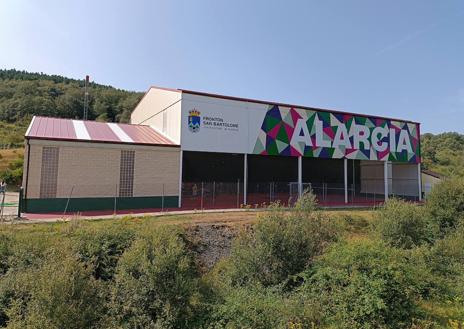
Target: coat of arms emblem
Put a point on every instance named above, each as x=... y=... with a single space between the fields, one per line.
x=194 y=120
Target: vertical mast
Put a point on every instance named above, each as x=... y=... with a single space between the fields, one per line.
x=86 y=98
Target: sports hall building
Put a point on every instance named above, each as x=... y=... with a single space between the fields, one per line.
x=196 y=150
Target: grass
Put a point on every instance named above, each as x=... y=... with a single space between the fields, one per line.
x=9 y=155
x=447 y=313
x=357 y=221
x=13 y=133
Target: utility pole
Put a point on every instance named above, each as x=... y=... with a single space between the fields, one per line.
x=86 y=97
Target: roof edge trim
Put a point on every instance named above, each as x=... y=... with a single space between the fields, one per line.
x=251 y=100
x=99 y=141
x=30 y=126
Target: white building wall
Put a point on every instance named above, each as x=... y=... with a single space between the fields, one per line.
x=402 y=178
x=248 y=117
x=161 y=109
x=405 y=179
x=372 y=177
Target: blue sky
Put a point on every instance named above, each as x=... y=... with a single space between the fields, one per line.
x=397 y=58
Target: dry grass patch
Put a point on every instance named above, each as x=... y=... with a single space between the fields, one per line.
x=9 y=155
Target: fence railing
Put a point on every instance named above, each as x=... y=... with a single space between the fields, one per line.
x=210 y=195
x=204 y=195
x=106 y=197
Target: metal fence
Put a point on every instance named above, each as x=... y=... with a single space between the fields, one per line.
x=210 y=195
x=67 y=199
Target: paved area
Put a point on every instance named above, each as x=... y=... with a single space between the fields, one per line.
x=10 y=206
x=51 y=218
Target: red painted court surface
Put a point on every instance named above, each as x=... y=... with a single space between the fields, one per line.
x=220 y=202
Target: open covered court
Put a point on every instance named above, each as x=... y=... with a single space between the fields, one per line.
x=192 y=150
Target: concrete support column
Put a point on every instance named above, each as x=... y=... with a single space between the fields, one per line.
x=180 y=179
x=419 y=180
x=385 y=178
x=300 y=176
x=245 y=177
x=345 y=175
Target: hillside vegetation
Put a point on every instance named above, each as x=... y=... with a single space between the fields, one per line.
x=401 y=266
x=443 y=153
x=24 y=94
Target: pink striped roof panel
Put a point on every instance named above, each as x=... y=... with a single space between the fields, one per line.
x=93 y=131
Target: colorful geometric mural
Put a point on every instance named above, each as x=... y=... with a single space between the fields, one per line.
x=298 y=132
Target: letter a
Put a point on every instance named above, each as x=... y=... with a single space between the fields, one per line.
x=301 y=127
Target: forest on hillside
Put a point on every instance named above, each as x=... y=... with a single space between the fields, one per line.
x=443 y=153
x=24 y=94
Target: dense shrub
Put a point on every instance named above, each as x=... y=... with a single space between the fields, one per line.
x=307 y=203
x=263 y=308
x=292 y=269
x=445 y=265
x=15 y=292
x=281 y=244
x=155 y=284
x=20 y=255
x=28 y=250
x=403 y=224
x=5 y=252
x=59 y=294
x=364 y=284
x=101 y=249
x=446 y=204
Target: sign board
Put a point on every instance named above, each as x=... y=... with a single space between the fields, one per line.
x=221 y=125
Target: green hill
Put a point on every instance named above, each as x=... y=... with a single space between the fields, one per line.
x=443 y=153
x=24 y=94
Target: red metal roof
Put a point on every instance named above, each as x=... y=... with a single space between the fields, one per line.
x=144 y=134
x=93 y=131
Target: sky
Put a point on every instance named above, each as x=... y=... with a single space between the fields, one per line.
x=394 y=58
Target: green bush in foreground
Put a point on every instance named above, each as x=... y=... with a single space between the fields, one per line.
x=363 y=284
x=5 y=252
x=101 y=249
x=403 y=224
x=60 y=294
x=295 y=268
x=281 y=244
x=445 y=266
x=445 y=204
x=258 y=307
x=20 y=256
x=155 y=284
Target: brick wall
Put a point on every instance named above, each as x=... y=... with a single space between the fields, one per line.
x=92 y=169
